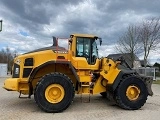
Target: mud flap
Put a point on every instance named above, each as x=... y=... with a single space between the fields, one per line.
x=148 y=82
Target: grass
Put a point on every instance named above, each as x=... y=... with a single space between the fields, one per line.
x=156 y=82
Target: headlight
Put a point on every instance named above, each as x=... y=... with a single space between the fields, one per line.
x=16 y=70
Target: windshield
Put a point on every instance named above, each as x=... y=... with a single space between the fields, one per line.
x=87 y=47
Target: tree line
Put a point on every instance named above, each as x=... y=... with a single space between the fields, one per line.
x=139 y=39
x=7 y=56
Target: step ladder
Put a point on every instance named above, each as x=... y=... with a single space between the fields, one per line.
x=85 y=85
x=24 y=96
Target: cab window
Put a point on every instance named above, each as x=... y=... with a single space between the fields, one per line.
x=87 y=47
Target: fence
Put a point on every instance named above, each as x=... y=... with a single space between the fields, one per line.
x=150 y=72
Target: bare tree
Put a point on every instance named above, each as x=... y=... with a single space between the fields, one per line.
x=129 y=43
x=6 y=56
x=149 y=36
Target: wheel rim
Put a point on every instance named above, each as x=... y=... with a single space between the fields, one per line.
x=54 y=93
x=132 y=92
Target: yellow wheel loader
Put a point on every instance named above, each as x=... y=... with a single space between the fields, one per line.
x=55 y=74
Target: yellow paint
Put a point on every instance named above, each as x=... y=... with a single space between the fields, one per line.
x=54 y=93
x=98 y=88
x=81 y=63
x=132 y=92
x=106 y=67
x=85 y=78
x=12 y=84
x=109 y=70
x=23 y=86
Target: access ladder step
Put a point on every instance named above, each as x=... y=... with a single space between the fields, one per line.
x=20 y=96
x=85 y=96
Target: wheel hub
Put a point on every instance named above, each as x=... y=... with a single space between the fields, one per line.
x=132 y=92
x=54 y=93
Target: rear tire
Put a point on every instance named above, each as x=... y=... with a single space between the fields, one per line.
x=131 y=93
x=54 y=92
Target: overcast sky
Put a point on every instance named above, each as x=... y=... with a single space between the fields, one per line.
x=30 y=24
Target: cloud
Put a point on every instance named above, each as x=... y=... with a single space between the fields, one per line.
x=31 y=24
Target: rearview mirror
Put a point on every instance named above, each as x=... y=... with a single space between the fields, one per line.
x=0 y=25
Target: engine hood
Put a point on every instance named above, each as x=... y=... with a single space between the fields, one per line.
x=54 y=48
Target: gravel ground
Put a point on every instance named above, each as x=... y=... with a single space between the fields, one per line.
x=13 y=108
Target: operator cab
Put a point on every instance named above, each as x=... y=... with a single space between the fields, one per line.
x=87 y=47
x=84 y=51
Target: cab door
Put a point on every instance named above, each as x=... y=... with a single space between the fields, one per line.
x=86 y=54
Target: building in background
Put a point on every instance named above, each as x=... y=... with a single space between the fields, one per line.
x=3 y=70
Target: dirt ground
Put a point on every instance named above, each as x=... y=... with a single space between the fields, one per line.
x=13 y=108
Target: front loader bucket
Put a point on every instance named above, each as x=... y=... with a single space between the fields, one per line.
x=148 y=82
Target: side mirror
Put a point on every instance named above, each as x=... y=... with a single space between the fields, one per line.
x=0 y=25
x=70 y=40
x=100 y=41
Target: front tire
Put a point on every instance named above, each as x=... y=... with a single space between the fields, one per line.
x=131 y=93
x=54 y=92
